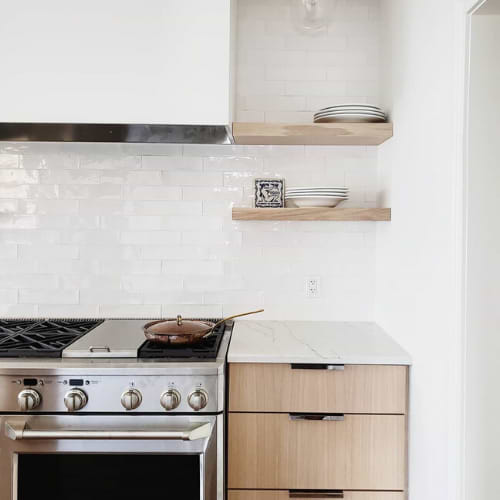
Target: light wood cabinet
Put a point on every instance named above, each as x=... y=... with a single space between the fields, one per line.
x=308 y=429
x=284 y=495
x=273 y=451
x=280 y=388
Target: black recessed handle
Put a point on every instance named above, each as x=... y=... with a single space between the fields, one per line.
x=315 y=494
x=315 y=366
x=331 y=417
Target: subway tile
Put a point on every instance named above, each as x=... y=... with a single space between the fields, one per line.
x=176 y=297
x=192 y=311
x=141 y=283
x=9 y=161
x=43 y=296
x=111 y=251
x=105 y=162
x=55 y=161
x=85 y=191
x=20 y=280
x=121 y=267
x=54 y=252
x=79 y=176
x=127 y=311
x=109 y=296
x=48 y=207
x=212 y=193
x=193 y=267
x=152 y=193
x=18 y=176
x=180 y=178
x=18 y=311
x=188 y=163
x=68 y=310
x=150 y=238
x=8 y=251
x=8 y=296
x=174 y=252
x=101 y=207
x=163 y=208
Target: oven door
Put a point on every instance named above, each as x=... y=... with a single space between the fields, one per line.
x=126 y=457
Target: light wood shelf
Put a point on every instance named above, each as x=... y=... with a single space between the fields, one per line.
x=300 y=214
x=326 y=134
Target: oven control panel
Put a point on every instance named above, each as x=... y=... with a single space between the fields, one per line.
x=114 y=394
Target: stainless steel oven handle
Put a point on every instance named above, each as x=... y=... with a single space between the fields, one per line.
x=20 y=430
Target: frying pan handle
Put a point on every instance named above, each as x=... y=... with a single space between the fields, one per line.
x=228 y=318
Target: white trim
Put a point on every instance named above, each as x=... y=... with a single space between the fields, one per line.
x=458 y=376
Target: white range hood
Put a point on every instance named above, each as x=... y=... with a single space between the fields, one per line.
x=116 y=70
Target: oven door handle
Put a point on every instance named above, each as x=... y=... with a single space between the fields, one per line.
x=20 y=430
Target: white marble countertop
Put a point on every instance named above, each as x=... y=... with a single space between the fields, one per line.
x=314 y=342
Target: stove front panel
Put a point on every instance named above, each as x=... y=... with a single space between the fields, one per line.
x=105 y=393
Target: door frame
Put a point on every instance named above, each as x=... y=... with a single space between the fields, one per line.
x=464 y=11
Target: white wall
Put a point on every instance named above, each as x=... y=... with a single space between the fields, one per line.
x=285 y=76
x=147 y=231
x=483 y=260
x=415 y=279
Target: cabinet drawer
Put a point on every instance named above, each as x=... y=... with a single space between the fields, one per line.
x=285 y=495
x=274 y=451
x=258 y=387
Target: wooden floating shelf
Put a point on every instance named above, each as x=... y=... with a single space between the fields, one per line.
x=316 y=134
x=335 y=214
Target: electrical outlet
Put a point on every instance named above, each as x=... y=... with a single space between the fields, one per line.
x=313 y=287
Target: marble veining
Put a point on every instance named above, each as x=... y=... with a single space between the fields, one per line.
x=314 y=342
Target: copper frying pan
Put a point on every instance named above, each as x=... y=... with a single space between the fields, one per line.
x=179 y=331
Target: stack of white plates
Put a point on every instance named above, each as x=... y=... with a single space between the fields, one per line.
x=308 y=197
x=350 y=113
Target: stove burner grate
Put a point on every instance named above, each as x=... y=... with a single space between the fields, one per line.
x=41 y=338
x=205 y=349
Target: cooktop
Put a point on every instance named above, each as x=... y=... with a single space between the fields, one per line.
x=97 y=338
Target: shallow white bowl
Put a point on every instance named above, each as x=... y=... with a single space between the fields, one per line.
x=313 y=202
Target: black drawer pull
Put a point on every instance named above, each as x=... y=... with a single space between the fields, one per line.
x=316 y=494
x=334 y=417
x=312 y=366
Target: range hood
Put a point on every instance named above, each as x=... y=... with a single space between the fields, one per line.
x=158 y=71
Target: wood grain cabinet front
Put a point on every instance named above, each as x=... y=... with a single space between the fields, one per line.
x=376 y=389
x=313 y=495
x=282 y=451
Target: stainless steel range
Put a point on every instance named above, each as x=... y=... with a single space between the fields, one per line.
x=89 y=409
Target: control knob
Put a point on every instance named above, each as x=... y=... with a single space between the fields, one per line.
x=198 y=399
x=75 y=400
x=170 y=399
x=28 y=399
x=131 y=399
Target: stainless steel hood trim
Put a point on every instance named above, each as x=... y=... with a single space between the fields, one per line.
x=116 y=133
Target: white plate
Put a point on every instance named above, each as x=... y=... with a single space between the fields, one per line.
x=352 y=105
x=312 y=190
x=318 y=188
x=317 y=193
x=317 y=196
x=312 y=202
x=350 y=119
x=350 y=112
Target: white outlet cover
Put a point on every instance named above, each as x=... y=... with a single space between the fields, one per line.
x=313 y=286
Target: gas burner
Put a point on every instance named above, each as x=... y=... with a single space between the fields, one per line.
x=41 y=338
x=203 y=350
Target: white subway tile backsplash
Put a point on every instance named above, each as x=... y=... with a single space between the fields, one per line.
x=145 y=230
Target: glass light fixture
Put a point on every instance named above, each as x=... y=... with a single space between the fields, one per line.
x=311 y=15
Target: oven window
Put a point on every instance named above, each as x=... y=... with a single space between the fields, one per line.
x=108 y=477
